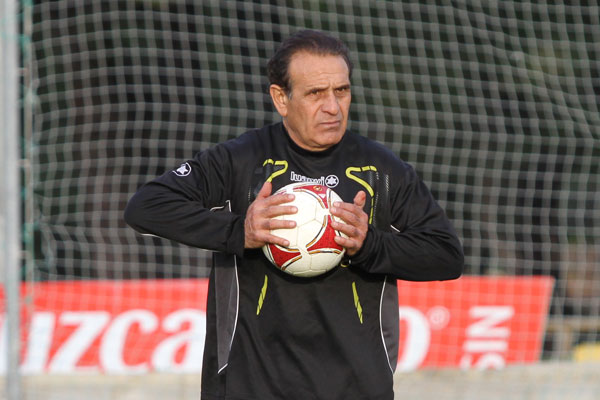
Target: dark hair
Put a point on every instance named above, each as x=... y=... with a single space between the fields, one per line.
x=311 y=41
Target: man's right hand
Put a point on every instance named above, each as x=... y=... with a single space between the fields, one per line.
x=260 y=218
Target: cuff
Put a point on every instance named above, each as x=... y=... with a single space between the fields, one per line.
x=235 y=244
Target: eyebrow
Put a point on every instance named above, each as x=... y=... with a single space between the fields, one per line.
x=315 y=88
x=321 y=88
x=345 y=86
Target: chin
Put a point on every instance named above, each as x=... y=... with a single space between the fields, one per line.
x=333 y=137
x=325 y=144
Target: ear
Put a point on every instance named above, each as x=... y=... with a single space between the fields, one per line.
x=280 y=99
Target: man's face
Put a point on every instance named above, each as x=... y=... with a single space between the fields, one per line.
x=316 y=112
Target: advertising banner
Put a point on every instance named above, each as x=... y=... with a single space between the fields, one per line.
x=141 y=326
x=472 y=322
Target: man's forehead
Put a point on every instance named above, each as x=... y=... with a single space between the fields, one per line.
x=302 y=56
x=317 y=67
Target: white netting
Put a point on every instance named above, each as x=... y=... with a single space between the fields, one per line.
x=496 y=105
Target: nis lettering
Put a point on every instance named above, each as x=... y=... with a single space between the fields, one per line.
x=487 y=336
x=487 y=341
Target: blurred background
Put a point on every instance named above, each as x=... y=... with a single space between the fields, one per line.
x=495 y=103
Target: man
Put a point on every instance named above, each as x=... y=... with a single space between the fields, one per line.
x=271 y=335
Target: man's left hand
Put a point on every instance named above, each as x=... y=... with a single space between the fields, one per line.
x=355 y=225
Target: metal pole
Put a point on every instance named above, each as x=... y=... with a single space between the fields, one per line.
x=10 y=200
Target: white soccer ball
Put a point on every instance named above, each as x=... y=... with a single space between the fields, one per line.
x=312 y=250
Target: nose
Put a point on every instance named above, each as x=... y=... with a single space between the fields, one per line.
x=330 y=104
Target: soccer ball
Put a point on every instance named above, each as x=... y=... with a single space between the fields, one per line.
x=312 y=250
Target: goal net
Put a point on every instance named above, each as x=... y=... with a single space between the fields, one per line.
x=495 y=103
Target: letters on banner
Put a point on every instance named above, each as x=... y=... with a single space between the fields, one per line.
x=135 y=327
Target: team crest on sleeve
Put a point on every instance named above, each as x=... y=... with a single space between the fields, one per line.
x=183 y=170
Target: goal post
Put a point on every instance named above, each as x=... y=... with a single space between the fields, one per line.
x=10 y=200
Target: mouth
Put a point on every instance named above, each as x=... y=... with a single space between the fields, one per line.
x=330 y=124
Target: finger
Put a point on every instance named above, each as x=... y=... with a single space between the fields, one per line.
x=276 y=211
x=349 y=230
x=350 y=245
x=259 y=233
x=358 y=203
x=266 y=238
x=344 y=242
x=278 y=199
x=277 y=240
x=276 y=223
x=340 y=207
x=349 y=213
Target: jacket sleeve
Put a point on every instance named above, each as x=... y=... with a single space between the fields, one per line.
x=421 y=245
x=188 y=205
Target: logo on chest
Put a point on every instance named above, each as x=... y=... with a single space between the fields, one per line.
x=330 y=181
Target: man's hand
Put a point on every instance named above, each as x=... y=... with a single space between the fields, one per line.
x=259 y=218
x=355 y=225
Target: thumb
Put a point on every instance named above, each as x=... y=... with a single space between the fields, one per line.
x=265 y=190
x=360 y=199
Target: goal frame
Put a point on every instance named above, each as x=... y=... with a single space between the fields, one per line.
x=10 y=200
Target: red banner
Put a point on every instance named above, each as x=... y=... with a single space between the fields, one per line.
x=472 y=322
x=133 y=327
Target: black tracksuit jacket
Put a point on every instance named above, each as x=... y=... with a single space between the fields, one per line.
x=270 y=335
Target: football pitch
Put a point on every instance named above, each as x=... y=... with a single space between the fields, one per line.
x=543 y=381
